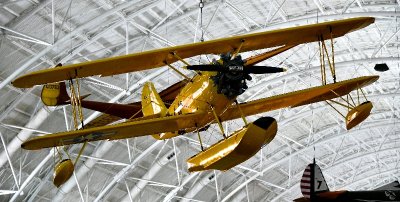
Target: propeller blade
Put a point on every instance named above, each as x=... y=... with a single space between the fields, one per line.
x=210 y=67
x=263 y=69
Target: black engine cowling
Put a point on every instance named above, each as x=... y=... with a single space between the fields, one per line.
x=233 y=82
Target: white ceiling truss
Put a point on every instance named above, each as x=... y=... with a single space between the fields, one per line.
x=37 y=34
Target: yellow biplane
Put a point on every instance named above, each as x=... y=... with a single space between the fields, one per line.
x=207 y=98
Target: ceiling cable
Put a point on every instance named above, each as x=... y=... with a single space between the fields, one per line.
x=201 y=5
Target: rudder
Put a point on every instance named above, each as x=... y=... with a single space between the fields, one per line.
x=313 y=181
x=152 y=103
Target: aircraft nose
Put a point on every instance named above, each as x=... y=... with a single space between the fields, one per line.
x=264 y=122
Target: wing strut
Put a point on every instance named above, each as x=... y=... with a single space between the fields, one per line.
x=218 y=121
x=356 y=113
x=241 y=112
x=331 y=61
x=179 y=72
x=198 y=135
x=237 y=51
x=179 y=58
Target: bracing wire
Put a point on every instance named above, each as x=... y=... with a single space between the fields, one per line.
x=201 y=5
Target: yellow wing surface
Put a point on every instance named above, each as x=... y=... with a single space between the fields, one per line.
x=102 y=120
x=157 y=58
x=142 y=126
x=134 y=128
x=298 y=98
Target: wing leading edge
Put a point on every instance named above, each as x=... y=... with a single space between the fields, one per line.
x=134 y=128
x=157 y=58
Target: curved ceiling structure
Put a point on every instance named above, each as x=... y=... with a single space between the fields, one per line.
x=38 y=34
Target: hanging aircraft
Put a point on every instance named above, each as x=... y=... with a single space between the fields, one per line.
x=207 y=98
x=315 y=189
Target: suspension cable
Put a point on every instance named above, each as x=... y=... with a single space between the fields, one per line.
x=201 y=5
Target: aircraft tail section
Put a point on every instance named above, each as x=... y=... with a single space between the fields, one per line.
x=54 y=94
x=313 y=181
x=152 y=103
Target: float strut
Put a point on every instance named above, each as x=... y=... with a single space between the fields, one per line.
x=80 y=152
x=241 y=112
x=198 y=135
x=218 y=121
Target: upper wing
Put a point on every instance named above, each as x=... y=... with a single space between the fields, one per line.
x=157 y=58
x=298 y=98
x=134 y=128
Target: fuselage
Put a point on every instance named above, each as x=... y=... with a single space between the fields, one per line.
x=199 y=95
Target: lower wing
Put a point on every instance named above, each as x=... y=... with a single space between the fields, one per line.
x=298 y=98
x=135 y=128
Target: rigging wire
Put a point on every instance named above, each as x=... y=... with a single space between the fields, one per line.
x=201 y=5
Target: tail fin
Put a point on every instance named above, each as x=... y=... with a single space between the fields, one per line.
x=152 y=103
x=54 y=94
x=313 y=181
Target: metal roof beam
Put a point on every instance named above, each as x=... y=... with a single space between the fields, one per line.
x=122 y=174
x=153 y=170
x=93 y=21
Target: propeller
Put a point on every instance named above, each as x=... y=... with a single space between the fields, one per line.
x=235 y=65
x=232 y=73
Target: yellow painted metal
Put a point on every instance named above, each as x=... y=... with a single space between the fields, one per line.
x=333 y=59
x=201 y=142
x=298 y=98
x=330 y=63
x=191 y=110
x=237 y=51
x=263 y=56
x=80 y=152
x=102 y=120
x=343 y=105
x=50 y=93
x=358 y=114
x=237 y=148
x=157 y=58
x=179 y=72
x=179 y=58
x=198 y=96
x=216 y=118
x=63 y=171
x=151 y=101
x=335 y=109
x=134 y=128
